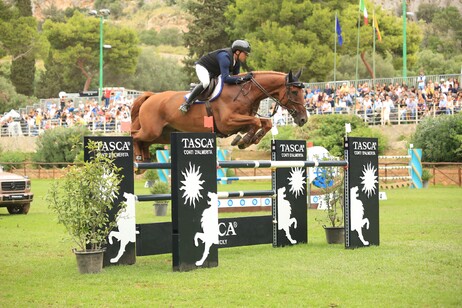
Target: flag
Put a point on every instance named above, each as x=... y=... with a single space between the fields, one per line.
x=208 y=122
x=376 y=26
x=362 y=7
x=338 y=29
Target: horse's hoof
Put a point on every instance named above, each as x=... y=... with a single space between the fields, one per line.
x=236 y=140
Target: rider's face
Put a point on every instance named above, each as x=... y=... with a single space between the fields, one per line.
x=242 y=56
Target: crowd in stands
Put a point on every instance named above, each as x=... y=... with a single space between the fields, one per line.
x=381 y=104
x=384 y=103
x=112 y=114
x=383 y=100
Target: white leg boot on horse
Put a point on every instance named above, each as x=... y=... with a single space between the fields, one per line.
x=191 y=99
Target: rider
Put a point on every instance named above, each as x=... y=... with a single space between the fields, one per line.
x=222 y=62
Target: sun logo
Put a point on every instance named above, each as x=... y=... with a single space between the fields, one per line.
x=369 y=179
x=192 y=185
x=297 y=181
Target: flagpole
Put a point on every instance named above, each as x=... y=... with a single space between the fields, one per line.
x=373 y=54
x=357 y=56
x=335 y=53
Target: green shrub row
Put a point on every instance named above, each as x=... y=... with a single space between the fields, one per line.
x=440 y=138
x=327 y=131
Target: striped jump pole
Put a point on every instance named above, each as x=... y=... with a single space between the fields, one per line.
x=414 y=167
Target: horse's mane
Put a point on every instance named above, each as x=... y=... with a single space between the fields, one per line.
x=268 y=73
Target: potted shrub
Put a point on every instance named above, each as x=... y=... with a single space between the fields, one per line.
x=333 y=192
x=426 y=176
x=82 y=200
x=160 y=206
x=150 y=176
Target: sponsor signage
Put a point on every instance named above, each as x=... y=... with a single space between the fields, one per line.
x=361 y=192
x=121 y=242
x=88 y=93
x=289 y=209
x=195 y=228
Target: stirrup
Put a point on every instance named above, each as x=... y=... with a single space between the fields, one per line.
x=184 y=108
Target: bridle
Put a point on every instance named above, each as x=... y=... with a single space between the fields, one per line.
x=287 y=93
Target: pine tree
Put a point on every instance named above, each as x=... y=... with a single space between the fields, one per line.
x=23 y=67
x=206 y=31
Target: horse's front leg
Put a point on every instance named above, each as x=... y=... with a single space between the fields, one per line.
x=237 y=122
x=265 y=128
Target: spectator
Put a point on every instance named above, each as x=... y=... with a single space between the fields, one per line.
x=387 y=107
x=279 y=117
x=421 y=81
x=344 y=89
x=442 y=105
x=450 y=104
x=365 y=89
x=341 y=104
x=411 y=107
x=328 y=90
x=367 y=104
x=421 y=108
x=308 y=97
x=444 y=87
x=326 y=107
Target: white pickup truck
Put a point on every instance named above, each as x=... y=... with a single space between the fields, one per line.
x=15 y=193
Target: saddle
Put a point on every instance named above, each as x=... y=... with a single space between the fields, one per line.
x=211 y=93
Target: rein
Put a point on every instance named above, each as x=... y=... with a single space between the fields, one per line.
x=277 y=101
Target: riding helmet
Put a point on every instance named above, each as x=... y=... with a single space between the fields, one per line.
x=241 y=45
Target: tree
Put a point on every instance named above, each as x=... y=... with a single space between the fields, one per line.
x=288 y=34
x=443 y=35
x=9 y=99
x=156 y=73
x=20 y=39
x=205 y=33
x=75 y=49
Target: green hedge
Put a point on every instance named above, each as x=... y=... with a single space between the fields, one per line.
x=327 y=131
x=60 y=144
x=440 y=138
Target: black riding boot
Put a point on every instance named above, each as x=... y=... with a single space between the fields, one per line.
x=192 y=98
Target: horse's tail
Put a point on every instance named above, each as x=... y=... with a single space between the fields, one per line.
x=137 y=105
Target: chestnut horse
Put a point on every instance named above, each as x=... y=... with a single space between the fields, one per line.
x=155 y=116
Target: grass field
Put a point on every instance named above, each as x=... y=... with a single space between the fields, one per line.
x=419 y=263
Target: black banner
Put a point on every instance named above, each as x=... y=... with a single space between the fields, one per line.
x=290 y=204
x=361 y=192
x=121 y=241
x=195 y=205
x=156 y=238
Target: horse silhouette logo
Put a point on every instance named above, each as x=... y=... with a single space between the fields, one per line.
x=126 y=225
x=209 y=224
x=357 y=215
x=284 y=212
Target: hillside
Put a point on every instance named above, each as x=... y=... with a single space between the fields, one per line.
x=157 y=14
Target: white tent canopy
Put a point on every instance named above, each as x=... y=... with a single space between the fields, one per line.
x=12 y=113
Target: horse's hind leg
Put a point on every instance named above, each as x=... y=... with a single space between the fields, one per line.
x=145 y=151
x=137 y=151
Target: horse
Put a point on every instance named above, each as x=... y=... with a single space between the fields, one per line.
x=155 y=115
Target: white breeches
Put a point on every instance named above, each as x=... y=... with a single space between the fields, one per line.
x=203 y=75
